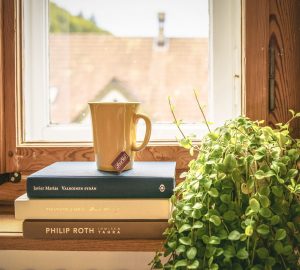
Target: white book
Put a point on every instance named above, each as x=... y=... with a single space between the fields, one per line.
x=26 y=208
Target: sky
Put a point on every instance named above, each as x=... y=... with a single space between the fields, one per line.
x=138 y=18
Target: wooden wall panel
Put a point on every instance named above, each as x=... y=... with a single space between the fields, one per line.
x=9 y=30
x=2 y=122
x=255 y=39
x=269 y=22
x=284 y=27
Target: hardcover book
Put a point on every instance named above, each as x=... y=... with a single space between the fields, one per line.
x=94 y=229
x=26 y=208
x=83 y=180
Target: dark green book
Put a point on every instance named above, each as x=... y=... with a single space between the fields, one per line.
x=83 y=180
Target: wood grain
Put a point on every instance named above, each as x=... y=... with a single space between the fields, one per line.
x=10 y=78
x=2 y=120
x=284 y=23
x=255 y=38
x=15 y=241
x=29 y=159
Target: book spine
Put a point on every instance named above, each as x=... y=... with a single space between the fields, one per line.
x=38 y=187
x=92 y=209
x=110 y=230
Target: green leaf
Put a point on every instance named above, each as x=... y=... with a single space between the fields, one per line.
x=181 y=263
x=229 y=252
x=213 y=192
x=196 y=213
x=249 y=230
x=214 y=267
x=234 y=235
x=259 y=174
x=270 y=261
x=259 y=156
x=193 y=265
x=184 y=227
x=172 y=244
x=222 y=234
x=264 y=200
x=215 y=220
x=205 y=239
x=254 y=205
x=263 y=229
x=262 y=253
x=236 y=176
x=242 y=254
x=230 y=163
x=237 y=266
x=291 y=226
x=265 y=191
x=185 y=241
x=287 y=250
x=197 y=205
x=185 y=142
x=292 y=173
x=244 y=237
x=225 y=198
x=219 y=252
x=213 y=136
x=214 y=240
x=269 y=174
x=191 y=253
x=180 y=249
x=277 y=191
x=275 y=220
x=229 y=215
x=280 y=234
x=198 y=225
x=265 y=212
x=278 y=247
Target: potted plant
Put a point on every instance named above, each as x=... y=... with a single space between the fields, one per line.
x=238 y=207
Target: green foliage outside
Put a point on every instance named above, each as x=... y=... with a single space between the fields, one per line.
x=61 y=21
x=239 y=206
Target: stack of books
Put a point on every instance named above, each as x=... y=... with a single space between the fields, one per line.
x=73 y=200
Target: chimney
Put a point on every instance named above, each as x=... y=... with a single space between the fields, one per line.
x=161 y=40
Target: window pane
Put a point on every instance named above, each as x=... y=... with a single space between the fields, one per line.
x=133 y=50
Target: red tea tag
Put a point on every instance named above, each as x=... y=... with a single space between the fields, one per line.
x=121 y=161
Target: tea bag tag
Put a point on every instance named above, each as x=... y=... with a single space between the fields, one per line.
x=121 y=161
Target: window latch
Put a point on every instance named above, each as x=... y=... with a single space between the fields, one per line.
x=14 y=177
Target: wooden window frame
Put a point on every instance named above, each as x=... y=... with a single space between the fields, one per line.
x=224 y=47
x=29 y=158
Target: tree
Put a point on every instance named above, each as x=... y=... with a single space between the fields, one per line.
x=61 y=21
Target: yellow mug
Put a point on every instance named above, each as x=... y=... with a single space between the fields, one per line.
x=114 y=132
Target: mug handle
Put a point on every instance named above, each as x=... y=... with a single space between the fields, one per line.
x=147 y=134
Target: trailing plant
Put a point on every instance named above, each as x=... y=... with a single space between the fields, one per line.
x=238 y=207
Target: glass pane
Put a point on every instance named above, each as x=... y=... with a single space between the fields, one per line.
x=127 y=50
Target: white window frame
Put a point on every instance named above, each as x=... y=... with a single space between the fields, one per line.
x=224 y=100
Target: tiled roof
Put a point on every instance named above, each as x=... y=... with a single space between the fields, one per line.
x=81 y=65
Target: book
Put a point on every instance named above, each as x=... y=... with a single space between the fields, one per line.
x=94 y=229
x=83 y=180
x=26 y=208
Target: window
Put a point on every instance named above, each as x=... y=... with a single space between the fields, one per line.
x=76 y=51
